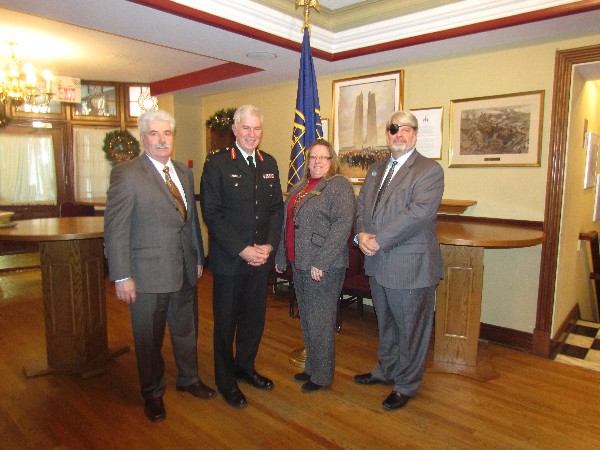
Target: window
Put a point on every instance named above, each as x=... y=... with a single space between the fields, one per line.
x=28 y=172
x=92 y=169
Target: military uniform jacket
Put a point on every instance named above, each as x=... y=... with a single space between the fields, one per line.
x=238 y=208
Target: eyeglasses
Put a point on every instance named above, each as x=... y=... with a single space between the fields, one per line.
x=394 y=128
x=319 y=158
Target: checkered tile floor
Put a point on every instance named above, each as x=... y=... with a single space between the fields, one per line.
x=582 y=346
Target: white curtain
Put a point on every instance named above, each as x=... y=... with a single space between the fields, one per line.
x=27 y=170
x=92 y=169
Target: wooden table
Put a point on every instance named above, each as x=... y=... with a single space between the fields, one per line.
x=72 y=263
x=458 y=297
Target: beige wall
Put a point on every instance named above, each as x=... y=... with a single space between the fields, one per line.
x=511 y=276
x=573 y=285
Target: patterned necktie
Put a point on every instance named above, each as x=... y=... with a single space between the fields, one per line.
x=387 y=180
x=176 y=193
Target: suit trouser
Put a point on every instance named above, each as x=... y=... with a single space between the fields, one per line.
x=239 y=307
x=149 y=315
x=405 y=321
x=317 y=306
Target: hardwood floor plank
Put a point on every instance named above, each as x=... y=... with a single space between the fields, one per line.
x=535 y=403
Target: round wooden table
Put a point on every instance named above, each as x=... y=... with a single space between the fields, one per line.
x=72 y=265
x=458 y=296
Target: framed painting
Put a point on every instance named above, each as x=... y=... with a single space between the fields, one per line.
x=500 y=130
x=361 y=107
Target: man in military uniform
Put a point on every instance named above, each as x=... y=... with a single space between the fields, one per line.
x=242 y=206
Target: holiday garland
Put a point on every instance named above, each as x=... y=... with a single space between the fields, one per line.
x=221 y=120
x=120 y=146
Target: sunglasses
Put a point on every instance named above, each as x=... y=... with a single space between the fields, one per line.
x=394 y=128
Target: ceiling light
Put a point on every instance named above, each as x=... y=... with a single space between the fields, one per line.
x=20 y=85
x=261 y=56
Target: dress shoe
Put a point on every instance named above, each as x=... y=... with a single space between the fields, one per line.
x=302 y=376
x=255 y=379
x=309 y=386
x=154 y=409
x=199 y=390
x=366 y=378
x=233 y=396
x=395 y=400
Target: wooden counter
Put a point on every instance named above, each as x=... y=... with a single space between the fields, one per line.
x=459 y=295
x=72 y=263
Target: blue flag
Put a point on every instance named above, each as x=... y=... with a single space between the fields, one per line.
x=307 y=121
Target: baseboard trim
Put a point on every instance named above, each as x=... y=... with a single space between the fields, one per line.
x=519 y=340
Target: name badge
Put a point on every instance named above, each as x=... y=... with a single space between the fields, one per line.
x=268 y=176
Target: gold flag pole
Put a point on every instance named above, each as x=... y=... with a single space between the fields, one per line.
x=298 y=356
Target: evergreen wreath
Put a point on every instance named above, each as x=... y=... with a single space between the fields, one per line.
x=221 y=120
x=120 y=146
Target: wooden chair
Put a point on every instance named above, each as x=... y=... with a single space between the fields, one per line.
x=285 y=278
x=356 y=284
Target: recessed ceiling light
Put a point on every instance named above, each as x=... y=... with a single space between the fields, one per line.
x=261 y=56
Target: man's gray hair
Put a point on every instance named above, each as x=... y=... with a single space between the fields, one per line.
x=150 y=116
x=401 y=118
x=246 y=110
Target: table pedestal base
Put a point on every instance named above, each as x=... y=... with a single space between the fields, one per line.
x=74 y=309
x=458 y=315
x=87 y=370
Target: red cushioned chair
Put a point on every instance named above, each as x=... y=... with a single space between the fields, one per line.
x=356 y=284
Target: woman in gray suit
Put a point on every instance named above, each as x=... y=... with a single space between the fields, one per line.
x=319 y=212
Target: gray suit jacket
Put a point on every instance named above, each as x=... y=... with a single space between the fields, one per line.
x=144 y=236
x=404 y=223
x=323 y=225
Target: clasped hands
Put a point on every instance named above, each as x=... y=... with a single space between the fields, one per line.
x=367 y=244
x=256 y=255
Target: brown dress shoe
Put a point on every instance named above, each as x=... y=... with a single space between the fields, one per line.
x=199 y=390
x=395 y=400
x=154 y=409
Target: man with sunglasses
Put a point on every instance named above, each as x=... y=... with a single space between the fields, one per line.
x=396 y=230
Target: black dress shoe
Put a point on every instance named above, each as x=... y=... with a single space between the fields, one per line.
x=302 y=376
x=366 y=378
x=233 y=396
x=199 y=390
x=395 y=400
x=154 y=409
x=255 y=379
x=309 y=386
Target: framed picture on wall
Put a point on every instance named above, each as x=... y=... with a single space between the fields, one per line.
x=361 y=107
x=429 y=141
x=500 y=130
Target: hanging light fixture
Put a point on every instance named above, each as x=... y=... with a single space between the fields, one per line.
x=20 y=85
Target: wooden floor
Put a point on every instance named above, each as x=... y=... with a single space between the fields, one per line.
x=534 y=404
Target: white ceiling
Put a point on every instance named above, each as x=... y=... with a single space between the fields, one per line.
x=120 y=40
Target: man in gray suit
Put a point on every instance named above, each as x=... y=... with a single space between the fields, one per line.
x=155 y=256
x=396 y=230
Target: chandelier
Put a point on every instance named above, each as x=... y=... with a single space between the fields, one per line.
x=19 y=85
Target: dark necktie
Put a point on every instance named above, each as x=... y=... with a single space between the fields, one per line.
x=176 y=193
x=251 y=165
x=388 y=178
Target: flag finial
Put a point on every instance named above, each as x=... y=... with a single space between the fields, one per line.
x=307 y=4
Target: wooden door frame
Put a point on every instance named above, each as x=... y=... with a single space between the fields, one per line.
x=563 y=69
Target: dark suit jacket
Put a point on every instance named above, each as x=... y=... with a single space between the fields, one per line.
x=238 y=210
x=404 y=222
x=143 y=233
x=323 y=225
